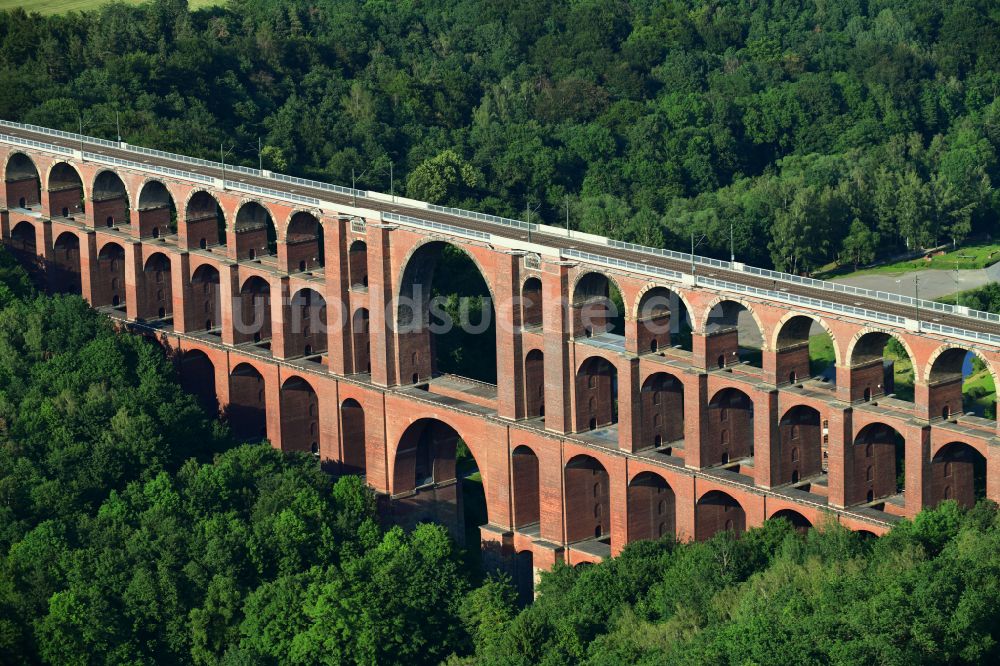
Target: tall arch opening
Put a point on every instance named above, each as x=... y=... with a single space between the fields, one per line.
x=361 y=342
x=204 y=222
x=663 y=320
x=304 y=242
x=661 y=405
x=879 y=456
x=157 y=213
x=798 y=521
x=960 y=382
x=357 y=265
x=445 y=318
x=729 y=435
x=804 y=350
x=24 y=187
x=880 y=365
x=597 y=307
x=110 y=200
x=24 y=246
x=588 y=500
x=732 y=336
x=432 y=459
x=353 y=438
x=526 y=488
x=65 y=191
x=596 y=394
x=66 y=276
x=300 y=417
x=717 y=511
x=306 y=334
x=534 y=384
x=108 y=281
x=254 y=317
x=247 y=409
x=531 y=303
x=801 y=442
x=256 y=236
x=156 y=293
x=957 y=472
x=205 y=301
x=197 y=374
x=652 y=508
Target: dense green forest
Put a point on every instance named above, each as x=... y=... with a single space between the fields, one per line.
x=818 y=130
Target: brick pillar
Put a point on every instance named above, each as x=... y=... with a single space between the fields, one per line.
x=281 y=318
x=699 y=351
x=272 y=403
x=133 y=274
x=767 y=438
x=917 y=462
x=843 y=373
x=510 y=353
x=629 y=406
x=228 y=286
x=769 y=364
x=684 y=501
x=618 y=501
x=381 y=299
x=555 y=329
x=922 y=399
x=632 y=334
x=695 y=417
x=180 y=288
x=338 y=315
x=992 y=475
x=88 y=263
x=840 y=461
x=44 y=247
x=4 y=224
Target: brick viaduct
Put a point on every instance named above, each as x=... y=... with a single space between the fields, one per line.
x=589 y=441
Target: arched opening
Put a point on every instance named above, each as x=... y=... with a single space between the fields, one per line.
x=254 y=317
x=361 y=341
x=960 y=381
x=798 y=521
x=300 y=417
x=247 y=410
x=733 y=336
x=879 y=457
x=598 y=307
x=663 y=321
x=156 y=211
x=445 y=316
x=958 y=472
x=880 y=366
x=66 y=264
x=304 y=242
x=804 y=349
x=531 y=303
x=729 y=432
x=24 y=187
x=801 y=442
x=24 y=246
x=108 y=282
x=110 y=200
x=65 y=192
x=204 y=221
x=197 y=374
x=596 y=394
x=661 y=405
x=534 y=384
x=717 y=511
x=306 y=332
x=526 y=489
x=156 y=293
x=205 y=301
x=357 y=265
x=255 y=233
x=652 y=508
x=434 y=460
x=588 y=500
x=352 y=428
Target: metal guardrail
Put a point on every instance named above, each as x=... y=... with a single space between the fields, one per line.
x=305 y=182
x=36 y=144
x=168 y=171
x=484 y=217
x=436 y=226
x=277 y=194
x=671 y=254
x=622 y=263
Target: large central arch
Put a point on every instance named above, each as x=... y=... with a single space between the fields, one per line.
x=445 y=319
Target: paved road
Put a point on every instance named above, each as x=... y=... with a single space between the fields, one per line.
x=539 y=236
x=934 y=283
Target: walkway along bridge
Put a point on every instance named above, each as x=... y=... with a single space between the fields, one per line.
x=290 y=306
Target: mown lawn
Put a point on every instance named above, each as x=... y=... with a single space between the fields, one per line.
x=978 y=255
x=63 y=6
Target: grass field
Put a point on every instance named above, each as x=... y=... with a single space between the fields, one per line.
x=983 y=396
x=979 y=255
x=62 y=6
